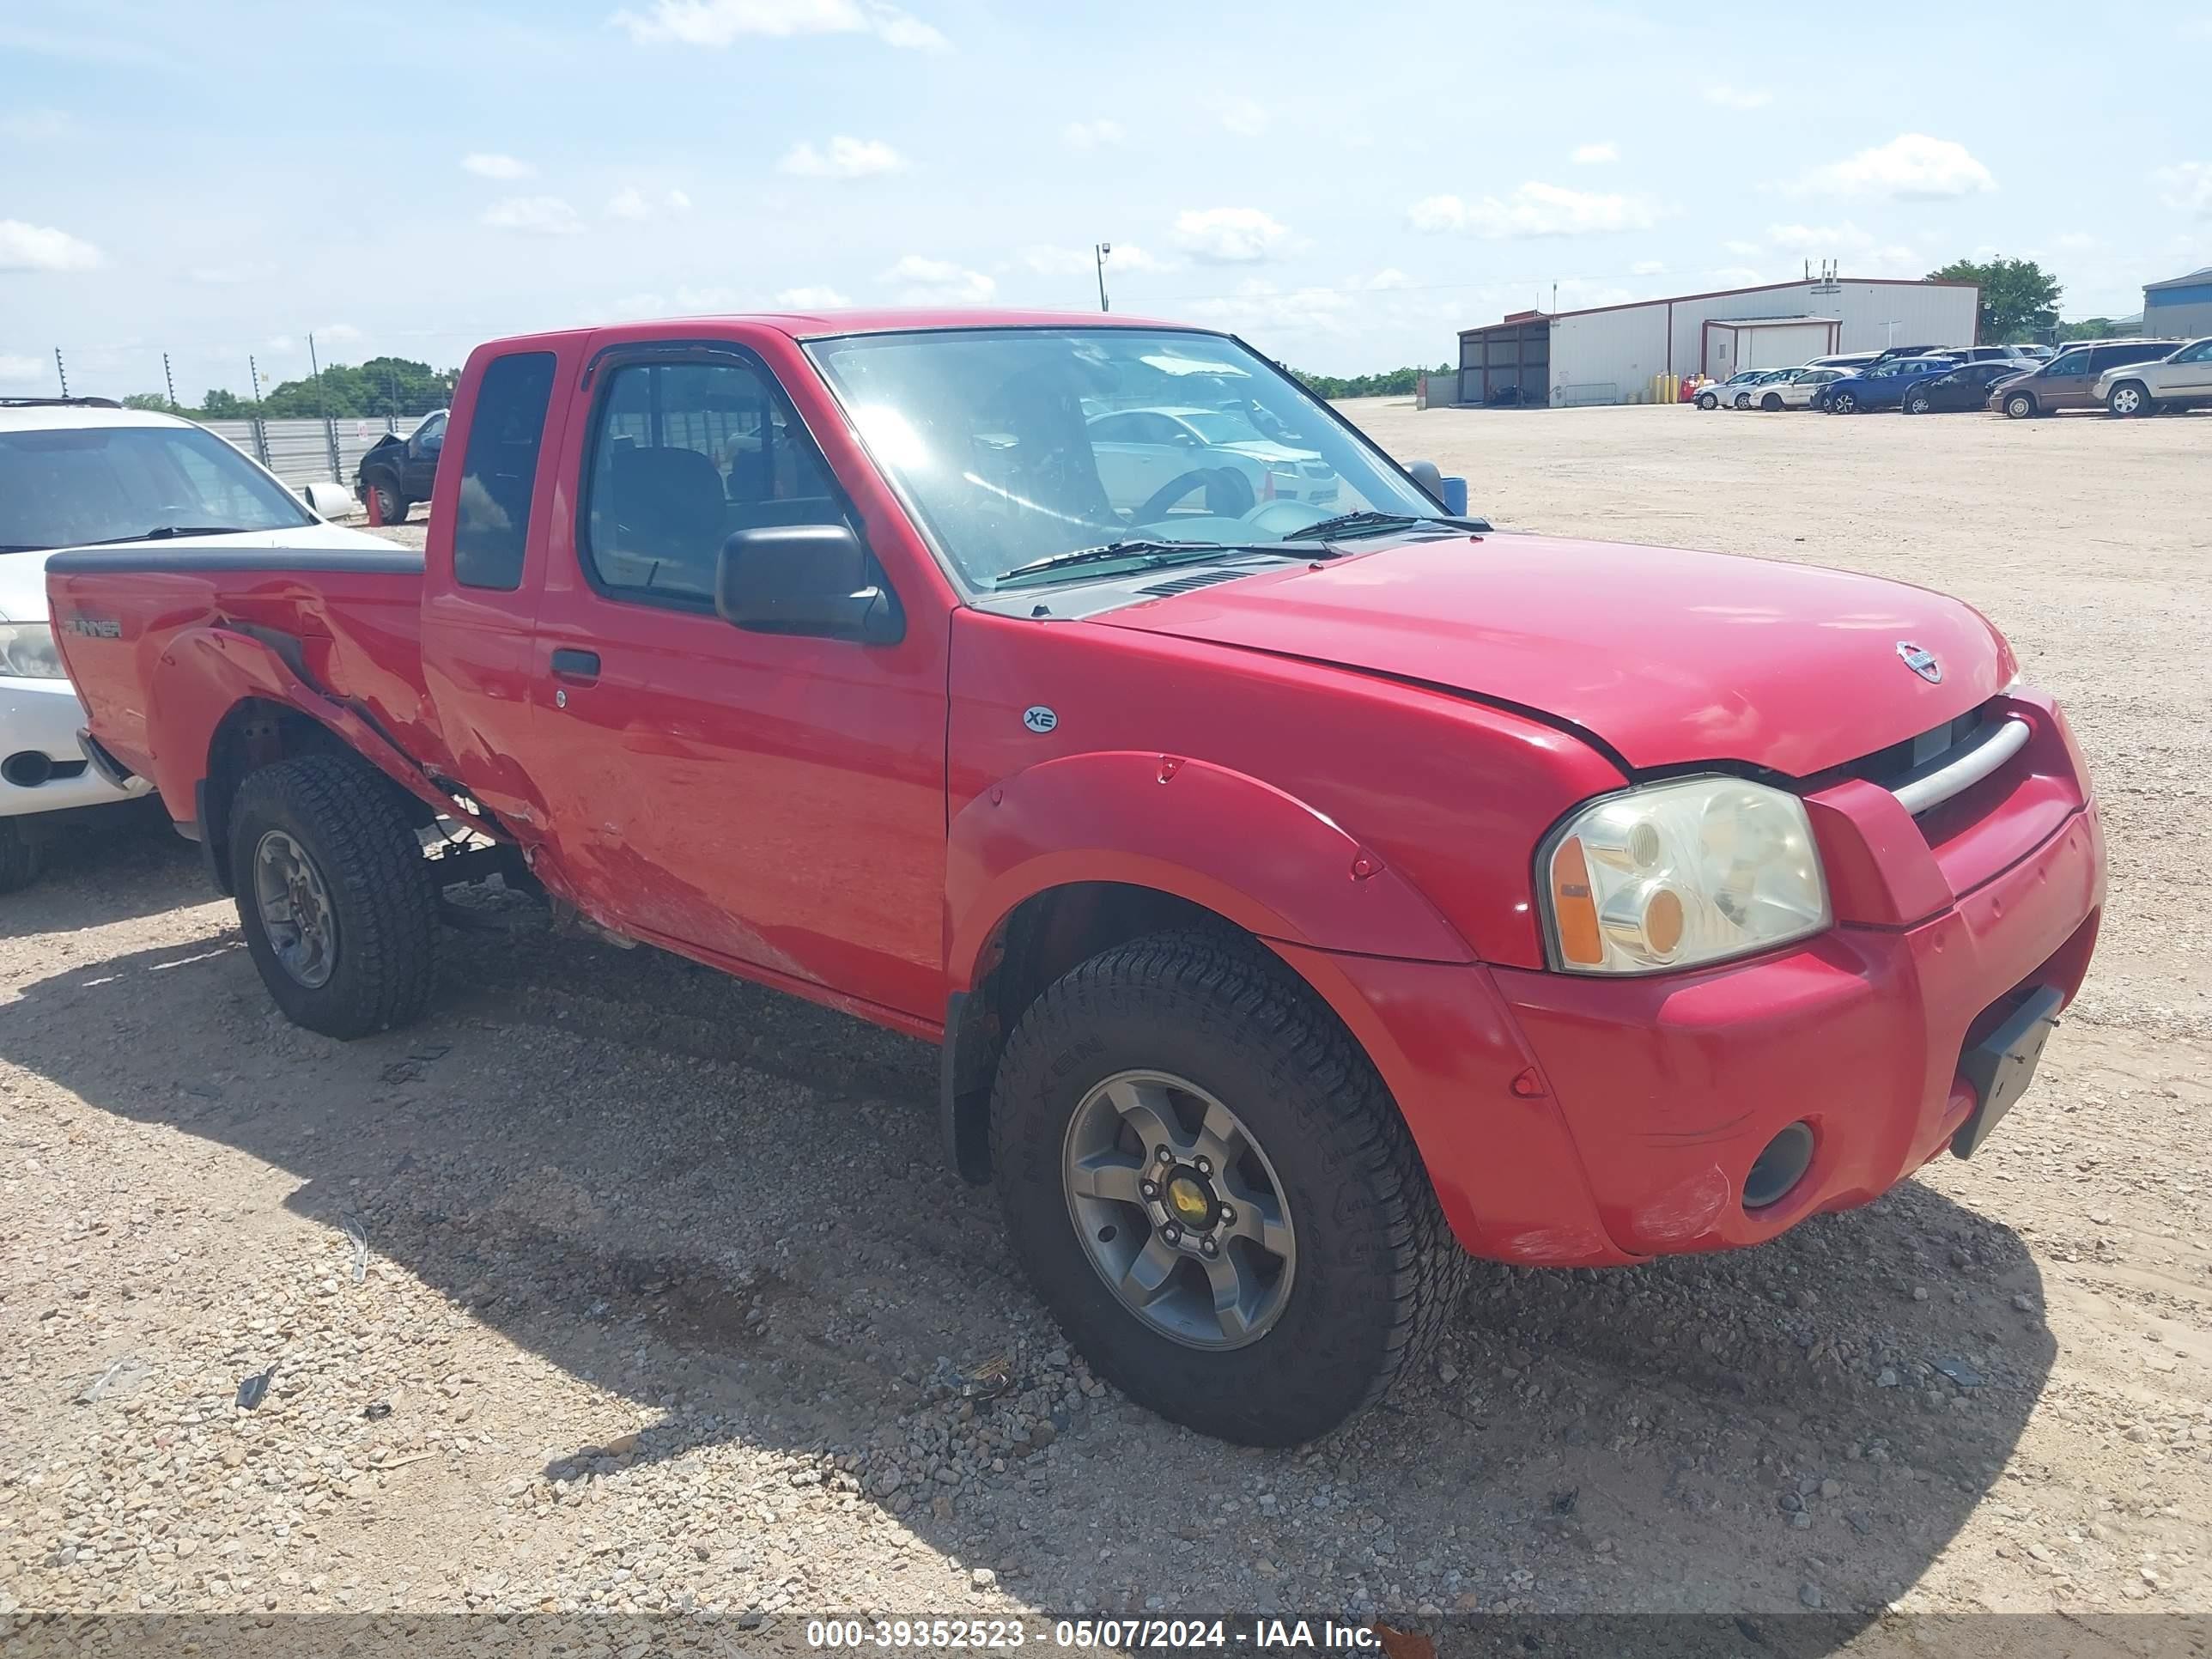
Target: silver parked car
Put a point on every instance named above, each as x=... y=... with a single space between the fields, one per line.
x=2182 y=380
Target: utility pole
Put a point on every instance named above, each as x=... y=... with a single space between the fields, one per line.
x=60 y=371
x=171 y=379
x=1099 y=251
x=322 y=403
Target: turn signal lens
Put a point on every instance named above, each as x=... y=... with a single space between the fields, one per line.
x=1679 y=873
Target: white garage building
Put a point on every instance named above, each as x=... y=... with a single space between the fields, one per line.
x=1610 y=353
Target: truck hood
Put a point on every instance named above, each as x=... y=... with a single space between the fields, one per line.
x=23 y=575
x=1664 y=656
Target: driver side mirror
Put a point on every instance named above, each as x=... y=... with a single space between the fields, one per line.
x=807 y=578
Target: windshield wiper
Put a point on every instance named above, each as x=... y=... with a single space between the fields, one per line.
x=1134 y=549
x=163 y=532
x=1362 y=521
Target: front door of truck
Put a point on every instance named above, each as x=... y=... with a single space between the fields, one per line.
x=770 y=798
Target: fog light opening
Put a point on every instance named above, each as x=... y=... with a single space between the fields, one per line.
x=27 y=768
x=1777 y=1168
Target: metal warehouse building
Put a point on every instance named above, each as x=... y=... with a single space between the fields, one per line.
x=2179 y=308
x=1610 y=353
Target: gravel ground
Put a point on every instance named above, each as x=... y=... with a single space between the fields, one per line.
x=620 y=1285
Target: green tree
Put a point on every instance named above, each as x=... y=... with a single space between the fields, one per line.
x=217 y=404
x=153 y=400
x=2020 y=299
x=382 y=386
x=1389 y=383
x=2096 y=328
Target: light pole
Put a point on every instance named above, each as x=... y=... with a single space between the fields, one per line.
x=1099 y=251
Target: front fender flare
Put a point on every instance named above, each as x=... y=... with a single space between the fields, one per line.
x=1241 y=849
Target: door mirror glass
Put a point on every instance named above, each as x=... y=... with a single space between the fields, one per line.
x=807 y=578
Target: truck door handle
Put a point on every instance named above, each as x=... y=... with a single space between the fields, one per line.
x=576 y=664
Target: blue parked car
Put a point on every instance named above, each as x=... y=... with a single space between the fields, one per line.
x=1879 y=386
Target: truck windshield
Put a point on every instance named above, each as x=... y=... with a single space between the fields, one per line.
x=1011 y=446
x=74 y=486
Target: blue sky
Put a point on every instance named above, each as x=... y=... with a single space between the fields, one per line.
x=1345 y=185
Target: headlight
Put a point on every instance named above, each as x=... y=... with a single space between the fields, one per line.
x=28 y=651
x=1678 y=874
x=1283 y=469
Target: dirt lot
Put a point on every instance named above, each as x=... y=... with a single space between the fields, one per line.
x=667 y=1303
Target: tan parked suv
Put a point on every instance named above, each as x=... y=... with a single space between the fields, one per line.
x=2180 y=382
x=2069 y=380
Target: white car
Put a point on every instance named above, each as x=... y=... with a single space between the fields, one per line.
x=1142 y=452
x=1722 y=394
x=1796 y=390
x=81 y=472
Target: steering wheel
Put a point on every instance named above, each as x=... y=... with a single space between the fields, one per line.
x=1228 y=495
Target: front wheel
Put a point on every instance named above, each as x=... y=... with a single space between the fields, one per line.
x=1917 y=403
x=1208 y=1185
x=391 y=505
x=334 y=895
x=2019 y=405
x=1706 y=400
x=2130 y=398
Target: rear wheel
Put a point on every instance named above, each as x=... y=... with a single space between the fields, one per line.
x=22 y=855
x=1208 y=1185
x=334 y=895
x=1770 y=402
x=2019 y=405
x=1919 y=403
x=2130 y=398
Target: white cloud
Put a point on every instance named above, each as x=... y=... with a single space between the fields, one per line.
x=1869 y=255
x=941 y=282
x=19 y=371
x=1261 y=307
x=1592 y=155
x=485 y=165
x=1648 y=268
x=1080 y=261
x=1730 y=97
x=1743 y=250
x=1093 y=135
x=1245 y=117
x=534 y=215
x=845 y=158
x=1537 y=210
x=812 y=298
x=2078 y=238
x=280 y=342
x=1383 y=281
x=722 y=22
x=331 y=334
x=1232 y=235
x=42 y=247
x=2188 y=187
x=1911 y=166
x=37 y=127
x=631 y=203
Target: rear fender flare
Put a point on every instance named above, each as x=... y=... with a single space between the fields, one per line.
x=206 y=672
x=1246 y=850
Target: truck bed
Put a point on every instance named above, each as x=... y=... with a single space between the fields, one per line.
x=348 y=623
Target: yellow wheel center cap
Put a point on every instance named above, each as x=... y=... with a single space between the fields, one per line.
x=1189 y=1201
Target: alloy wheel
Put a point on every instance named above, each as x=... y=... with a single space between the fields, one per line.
x=1179 y=1209
x=296 y=909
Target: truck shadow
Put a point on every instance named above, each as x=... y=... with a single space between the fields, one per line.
x=727 y=1208
x=104 y=866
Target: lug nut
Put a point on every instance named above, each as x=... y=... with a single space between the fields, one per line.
x=1204 y=1166
x=1173 y=1235
x=1163 y=1156
x=1149 y=1189
x=1208 y=1245
x=1228 y=1216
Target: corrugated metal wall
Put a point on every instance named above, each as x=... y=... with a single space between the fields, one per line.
x=1621 y=349
x=299 y=451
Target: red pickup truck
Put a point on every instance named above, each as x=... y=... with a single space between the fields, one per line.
x=1295 y=873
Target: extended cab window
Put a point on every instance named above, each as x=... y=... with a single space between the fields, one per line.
x=683 y=455
x=499 y=475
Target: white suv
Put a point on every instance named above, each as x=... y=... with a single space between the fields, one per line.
x=2182 y=380
x=83 y=472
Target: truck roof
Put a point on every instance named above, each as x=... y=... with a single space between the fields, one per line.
x=889 y=320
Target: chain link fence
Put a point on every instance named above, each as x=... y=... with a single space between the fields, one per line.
x=309 y=450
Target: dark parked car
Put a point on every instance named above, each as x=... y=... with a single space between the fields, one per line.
x=1966 y=386
x=401 y=470
x=1879 y=386
x=1891 y=353
x=2069 y=380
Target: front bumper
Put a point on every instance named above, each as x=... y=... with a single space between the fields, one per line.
x=1579 y=1121
x=42 y=718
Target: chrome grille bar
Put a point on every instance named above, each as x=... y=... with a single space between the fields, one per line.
x=1967 y=767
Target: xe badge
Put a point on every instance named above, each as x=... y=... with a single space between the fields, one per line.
x=1921 y=662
